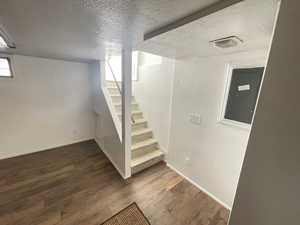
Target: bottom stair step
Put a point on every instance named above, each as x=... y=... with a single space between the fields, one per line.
x=145 y=161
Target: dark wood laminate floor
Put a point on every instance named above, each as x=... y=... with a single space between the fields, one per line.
x=77 y=185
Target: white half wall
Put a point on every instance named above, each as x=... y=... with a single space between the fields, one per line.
x=153 y=91
x=107 y=136
x=209 y=154
x=47 y=104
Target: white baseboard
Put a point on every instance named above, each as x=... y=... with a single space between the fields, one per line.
x=198 y=186
x=110 y=159
x=163 y=150
x=50 y=147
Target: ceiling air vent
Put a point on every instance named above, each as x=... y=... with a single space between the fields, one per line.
x=228 y=42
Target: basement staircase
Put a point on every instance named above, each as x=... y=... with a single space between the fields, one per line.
x=145 y=149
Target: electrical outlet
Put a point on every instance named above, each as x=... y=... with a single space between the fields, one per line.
x=187 y=160
x=195 y=118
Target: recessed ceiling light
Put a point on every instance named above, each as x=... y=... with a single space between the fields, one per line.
x=227 y=42
x=3 y=43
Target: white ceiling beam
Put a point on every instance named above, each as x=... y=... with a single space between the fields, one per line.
x=192 y=17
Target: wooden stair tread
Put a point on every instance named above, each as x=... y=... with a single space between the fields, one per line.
x=136 y=111
x=117 y=95
x=141 y=131
x=147 y=157
x=112 y=82
x=132 y=112
x=139 y=121
x=145 y=143
x=120 y=104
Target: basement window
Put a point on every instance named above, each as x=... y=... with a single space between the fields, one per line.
x=5 y=67
x=3 y=43
x=241 y=96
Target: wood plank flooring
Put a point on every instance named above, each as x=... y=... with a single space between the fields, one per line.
x=77 y=185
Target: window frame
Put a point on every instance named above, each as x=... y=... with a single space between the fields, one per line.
x=10 y=64
x=230 y=68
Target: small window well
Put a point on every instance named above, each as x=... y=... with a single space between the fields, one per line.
x=3 y=43
x=5 y=67
x=6 y=40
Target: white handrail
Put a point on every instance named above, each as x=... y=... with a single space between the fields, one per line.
x=115 y=80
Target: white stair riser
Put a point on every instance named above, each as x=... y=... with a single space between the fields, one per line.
x=118 y=99
x=133 y=107
x=141 y=137
x=139 y=126
x=113 y=91
x=112 y=84
x=147 y=164
x=135 y=116
x=143 y=150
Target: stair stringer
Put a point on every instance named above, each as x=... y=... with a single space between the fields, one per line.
x=113 y=112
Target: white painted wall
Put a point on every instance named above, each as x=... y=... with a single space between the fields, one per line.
x=268 y=190
x=47 y=104
x=215 y=151
x=107 y=136
x=153 y=91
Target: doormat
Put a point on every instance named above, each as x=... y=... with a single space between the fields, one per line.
x=131 y=215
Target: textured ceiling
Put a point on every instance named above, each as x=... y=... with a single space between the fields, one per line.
x=251 y=20
x=86 y=29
